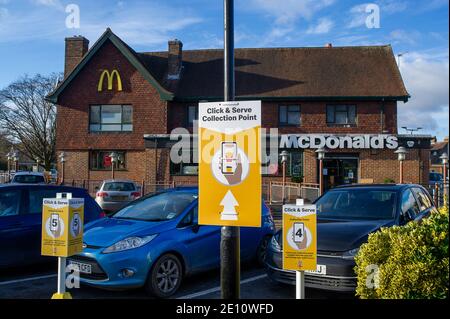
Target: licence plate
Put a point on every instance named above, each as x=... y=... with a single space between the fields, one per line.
x=321 y=270
x=119 y=197
x=84 y=268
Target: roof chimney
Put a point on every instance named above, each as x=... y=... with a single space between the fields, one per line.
x=175 y=59
x=328 y=45
x=76 y=48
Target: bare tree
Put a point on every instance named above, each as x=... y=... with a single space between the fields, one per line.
x=28 y=119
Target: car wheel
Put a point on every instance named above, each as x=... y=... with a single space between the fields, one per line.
x=261 y=253
x=165 y=276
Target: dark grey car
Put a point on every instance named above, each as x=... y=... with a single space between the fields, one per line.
x=345 y=218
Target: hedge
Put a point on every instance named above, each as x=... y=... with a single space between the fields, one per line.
x=410 y=261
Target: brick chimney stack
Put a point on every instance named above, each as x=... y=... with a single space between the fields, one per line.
x=175 y=59
x=76 y=48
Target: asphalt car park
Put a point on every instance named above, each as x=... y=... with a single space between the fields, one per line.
x=39 y=282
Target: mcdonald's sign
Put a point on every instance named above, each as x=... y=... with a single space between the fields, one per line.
x=110 y=78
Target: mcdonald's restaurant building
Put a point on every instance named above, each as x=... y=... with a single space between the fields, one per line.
x=344 y=98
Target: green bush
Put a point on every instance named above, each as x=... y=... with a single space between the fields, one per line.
x=410 y=261
x=388 y=181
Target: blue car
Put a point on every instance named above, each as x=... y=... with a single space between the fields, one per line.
x=155 y=241
x=21 y=220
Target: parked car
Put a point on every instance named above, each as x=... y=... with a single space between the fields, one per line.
x=435 y=178
x=21 y=220
x=29 y=178
x=345 y=217
x=156 y=241
x=116 y=193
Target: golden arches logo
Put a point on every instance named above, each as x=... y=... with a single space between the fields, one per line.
x=110 y=78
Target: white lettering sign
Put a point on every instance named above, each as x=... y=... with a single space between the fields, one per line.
x=330 y=141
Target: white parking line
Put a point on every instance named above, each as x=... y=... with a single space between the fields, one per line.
x=211 y=290
x=10 y=282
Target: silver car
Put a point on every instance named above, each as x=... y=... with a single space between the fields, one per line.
x=115 y=194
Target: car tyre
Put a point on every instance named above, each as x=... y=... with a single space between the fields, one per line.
x=261 y=252
x=165 y=276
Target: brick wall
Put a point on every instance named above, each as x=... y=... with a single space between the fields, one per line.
x=313 y=117
x=149 y=112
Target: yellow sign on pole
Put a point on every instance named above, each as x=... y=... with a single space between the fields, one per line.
x=299 y=237
x=62 y=226
x=230 y=163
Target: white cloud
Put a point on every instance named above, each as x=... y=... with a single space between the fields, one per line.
x=324 y=26
x=288 y=11
x=426 y=76
x=145 y=22
x=403 y=36
x=49 y=3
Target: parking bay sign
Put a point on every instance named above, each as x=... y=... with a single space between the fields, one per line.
x=230 y=163
x=299 y=237
x=62 y=226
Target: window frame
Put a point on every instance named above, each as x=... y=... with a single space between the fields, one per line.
x=347 y=106
x=286 y=123
x=109 y=168
x=100 y=124
x=182 y=164
x=188 y=123
x=402 y=213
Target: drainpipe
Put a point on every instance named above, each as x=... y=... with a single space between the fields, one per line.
x=382 y=116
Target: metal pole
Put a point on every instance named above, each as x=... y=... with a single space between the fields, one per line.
x=62 y=173
x=112 y=169
x=61 y=275
x=283 y=188
x=401 y=172
x=299 y=285
x=9 y=170
x=321 y=176
x=230 y=271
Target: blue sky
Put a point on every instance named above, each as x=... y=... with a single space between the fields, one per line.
x=32 y=36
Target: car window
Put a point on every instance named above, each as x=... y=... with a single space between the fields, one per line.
x=35 y=199
x=422 y=198
x=159 y=207
x=409 y=204
x=119 y=186
x=357 y=204
x=28 y=179
x=191 y=218
x=9 y=203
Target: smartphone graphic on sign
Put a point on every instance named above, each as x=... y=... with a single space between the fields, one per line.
x=54 y=221
x=229 y=157
x=299 y=232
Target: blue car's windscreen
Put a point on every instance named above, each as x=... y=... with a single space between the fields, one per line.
x=357 y=204
x=160 y=207
x=28 y=179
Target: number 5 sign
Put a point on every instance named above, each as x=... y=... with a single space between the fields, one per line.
x=62 y=226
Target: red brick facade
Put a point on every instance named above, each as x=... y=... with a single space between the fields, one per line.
x=152 y=115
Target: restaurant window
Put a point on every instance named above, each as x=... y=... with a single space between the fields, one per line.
x=184 y=168
x=192 y=115
x=289 y=115
x=294 y=166
x=111 y=118
x=101 y=160
x=341 y=114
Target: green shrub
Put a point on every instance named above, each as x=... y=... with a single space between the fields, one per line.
x=410 y=261
x=388 y=181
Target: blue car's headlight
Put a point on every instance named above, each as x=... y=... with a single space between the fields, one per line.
x=128 y=243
